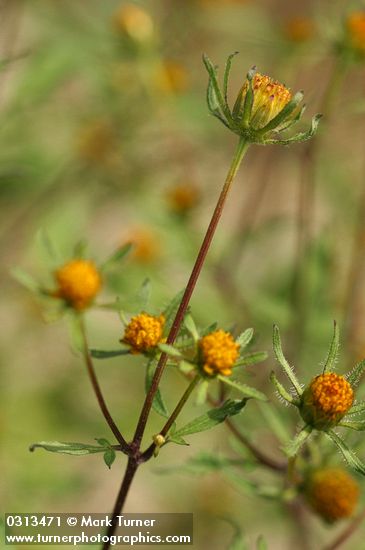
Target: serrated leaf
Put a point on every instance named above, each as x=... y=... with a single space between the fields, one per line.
x=245 y=338
x=158 y=404
x=212 y=418
x=109 y=457
x=352 y=460
x=170 y=350
x=247 y=391
x=116 y=257
x=67 y=448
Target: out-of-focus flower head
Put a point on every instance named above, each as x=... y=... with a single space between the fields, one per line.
x=78 y=283
x=298 y=29
x=355 y=30
x=171 y=77
x=134 y=23
x=183 y=197
x=264 y=107
x=146 y=245
x=332 y=493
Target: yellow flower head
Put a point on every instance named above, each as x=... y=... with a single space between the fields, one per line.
x=146 y=245
x=79 y=282
x=270 y=97
x=133 y=22
x=326 y=401
x=298 y=29
x=144 y=332
x=183 y=197
x=171 y=77
x=332 y=493
x=219 y=352
x=355 y=25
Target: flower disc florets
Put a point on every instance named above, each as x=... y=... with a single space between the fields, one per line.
x=269 y=98
x=78 y=283
x=218 y=353
x=144 y=332
x=332 y=493
x=326 y=401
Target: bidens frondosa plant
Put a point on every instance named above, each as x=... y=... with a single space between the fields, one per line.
x=326 y=402
x=211 y=359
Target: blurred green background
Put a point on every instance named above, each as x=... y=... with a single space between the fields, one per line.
x=105 y=137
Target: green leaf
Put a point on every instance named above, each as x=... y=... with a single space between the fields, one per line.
x=202 y=392
x=109 y=457
x=251 y=359
x=26 y=280
x=238 y=541
x=203 y=463
x=245 y=338
x=171 y=309
x=212 y=418
x=247 y=391
x=104 y=354
x=352 y=460
x=170 y=350
x=47 y=246
x=116 y=257
x=333 y=350
x=355 y=375
x=67 y=448
x=176 y=439
x=282 y=391
x=158 y=404
x=191 y=327
x=284 y=363
x=80 y=249
x=294 y=446
x=300 y=137
x=358 y=425
x=357 y=408
x=227 y=70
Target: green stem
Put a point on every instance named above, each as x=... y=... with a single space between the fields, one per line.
x=175 y=413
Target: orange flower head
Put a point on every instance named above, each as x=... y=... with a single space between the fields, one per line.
x=134 y=22
x=326 y=401
x=332 y=493
x=298 y=29
x=171 y=77
x=218 y=352
x=355 y=25
x=79 y=282
x=144 y=332
x=183 y=197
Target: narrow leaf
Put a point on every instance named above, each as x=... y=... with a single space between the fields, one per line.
x=352 y=460
x=212 y=417
x=177 y=439
x=281 y=390
x=117 y=256
x=104 y=354
x=245 y=338
x=243 y=388
x=227 y=71
x=171 y=309
x=355 y=375
x=26 y=280
x=191 y=327
x=67 y=448
x=251 y=359
x=202 y=392
x=333 y=350
x=170 y=350
x=283 y=362
x=357 y=408
x=358 y=425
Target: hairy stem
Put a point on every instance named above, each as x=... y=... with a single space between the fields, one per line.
x=95 y=384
